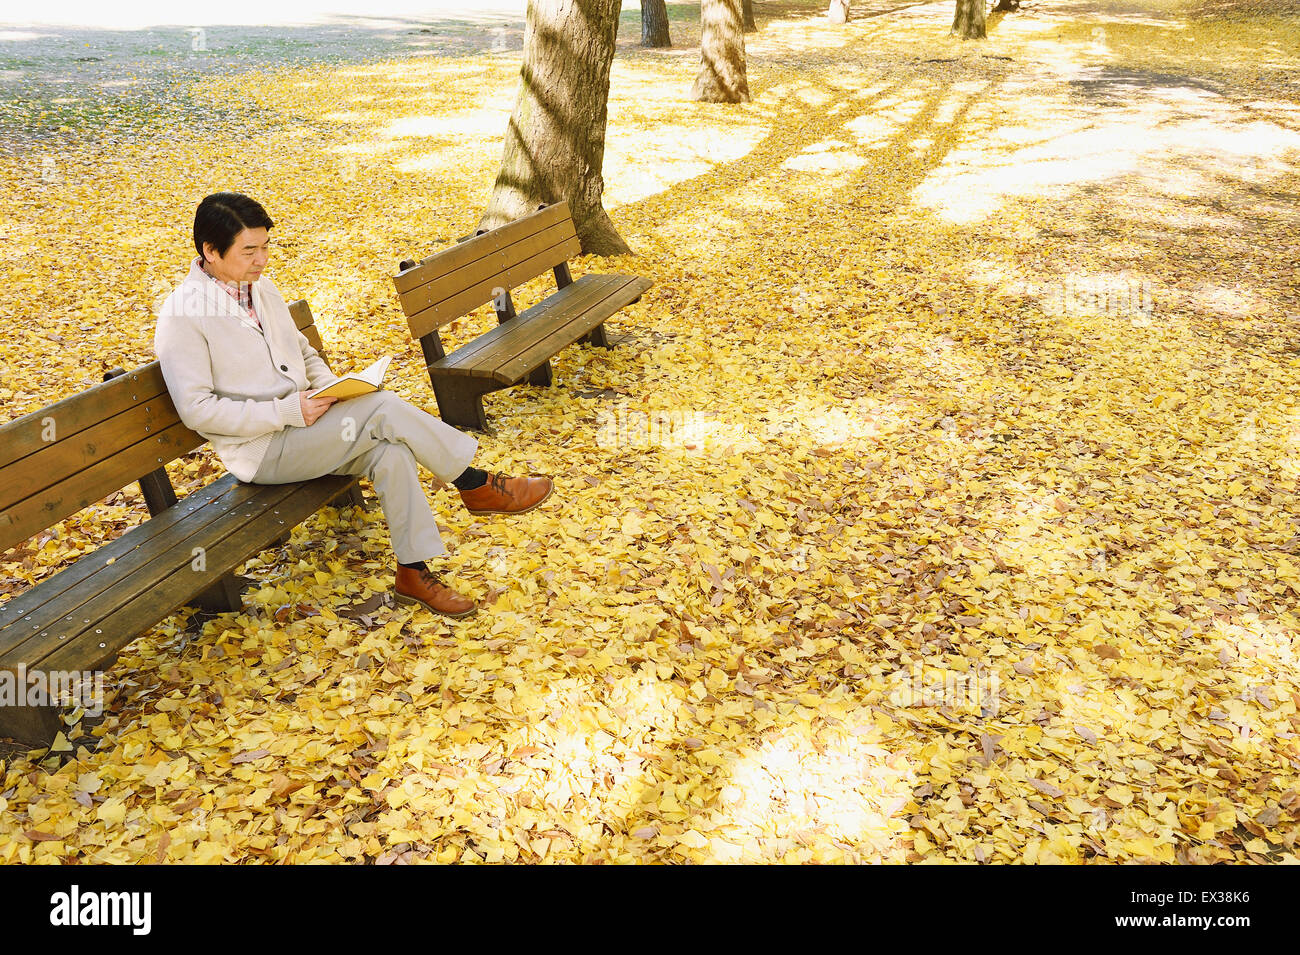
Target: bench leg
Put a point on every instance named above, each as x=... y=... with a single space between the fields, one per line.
x=354 y=497
x=460 y=402
x=598 y=338
x=32 y=725
x=225 y=596
x=541 y=375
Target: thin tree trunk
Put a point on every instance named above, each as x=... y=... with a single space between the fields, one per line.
x=747 y=9
x=654 y=23
x=555 y=142
x=968 y=22
x=839 y=11
x=722 y=76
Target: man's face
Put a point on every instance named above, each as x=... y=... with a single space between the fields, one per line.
x=244 y=260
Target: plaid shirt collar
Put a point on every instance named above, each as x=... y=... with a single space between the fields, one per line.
x=241 y=293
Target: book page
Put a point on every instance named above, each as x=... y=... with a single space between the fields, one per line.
x=355 y=384
x=375 y=373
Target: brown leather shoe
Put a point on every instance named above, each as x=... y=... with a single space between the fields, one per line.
x=507 y=495
x=416 y=586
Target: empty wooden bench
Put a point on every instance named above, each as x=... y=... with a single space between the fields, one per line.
x=485 y=268
x=71 y=454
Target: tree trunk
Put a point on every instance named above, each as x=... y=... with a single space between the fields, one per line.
x=968 y=23
x=555 y=142
x=747 y=10
x=722 y=54
x=839 y=11
x=654 y=23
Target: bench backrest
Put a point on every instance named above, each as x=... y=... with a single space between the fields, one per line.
x=302 y=317
x=447 y=285
x=68 y=455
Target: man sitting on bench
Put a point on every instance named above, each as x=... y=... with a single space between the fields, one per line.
x=240 y=373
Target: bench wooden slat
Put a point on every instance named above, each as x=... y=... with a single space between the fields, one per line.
x=155 y=569
x=617 y=296
x=453 y=307
x=25 y=436
x=302 y=317
x=51 y=588
x=481 y=357
x=27 y=517
x=530 y=251
x=59 y=596
x=238 y=542
x=35 y=472
x=141 y=569
x=433 y=267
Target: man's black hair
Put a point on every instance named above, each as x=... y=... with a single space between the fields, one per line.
x=222 y=216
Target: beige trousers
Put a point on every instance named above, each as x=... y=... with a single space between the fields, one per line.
x=381 y=437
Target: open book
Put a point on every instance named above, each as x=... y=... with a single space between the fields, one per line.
x=357 y=383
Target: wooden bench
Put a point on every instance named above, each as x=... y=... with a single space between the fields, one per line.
x=71 y=454
x=485 y=268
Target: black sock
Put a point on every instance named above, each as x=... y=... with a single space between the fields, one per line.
x=418 y=565
x=470 y=479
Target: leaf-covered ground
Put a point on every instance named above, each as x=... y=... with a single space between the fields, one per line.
x=938 y=503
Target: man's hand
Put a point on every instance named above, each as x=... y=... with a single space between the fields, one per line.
x=313 y=408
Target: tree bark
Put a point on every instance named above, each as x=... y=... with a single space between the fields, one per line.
x=747 y=10
x=968 y=22
x=654 y=23
x=555 y=142
x=839 y=11
x=722 y=76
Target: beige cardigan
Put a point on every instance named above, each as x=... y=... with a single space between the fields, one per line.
x=232 y=382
